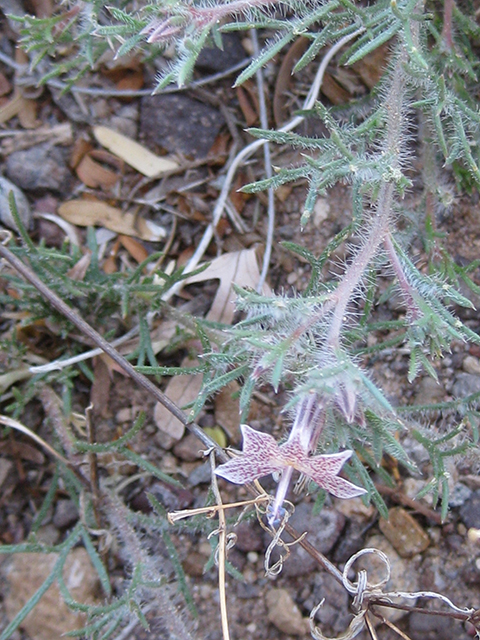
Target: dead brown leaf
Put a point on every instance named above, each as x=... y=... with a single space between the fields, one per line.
x=372 y=67
x=5 y=86
x=134 y=248
x=79 y=269
x=110 y=264
x=27 y=115
x=237 y=197
x=24 y=450
x=248 y=101
x=11 y=108
x=227 y=412
x=284 y=78
x=133 y=153
x=92 y=172
x=238 y=267
x=79 y=149
x=182 y=390
x=334 y=91
x=89 y=213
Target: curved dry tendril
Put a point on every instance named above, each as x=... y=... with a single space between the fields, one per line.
x=288 y=509
x=366 y=595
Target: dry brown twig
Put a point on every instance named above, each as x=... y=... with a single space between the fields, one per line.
x=221 y=551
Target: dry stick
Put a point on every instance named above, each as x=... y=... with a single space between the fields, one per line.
x=15 y=424
x=173 y=516
x=118 y=93
x=370 y=628
x=379 y=602
x=393 y=627
x=96 y=338
x=222 y=551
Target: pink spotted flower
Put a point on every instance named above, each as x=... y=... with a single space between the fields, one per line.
x=262 y=455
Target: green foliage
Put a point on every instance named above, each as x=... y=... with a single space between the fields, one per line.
x=316 y=341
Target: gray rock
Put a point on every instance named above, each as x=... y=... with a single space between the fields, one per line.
x=323 y=529
x=470 y=511
x=334 y=615
x=66 y=514
x=351 y=541
x=249 y=536
x=431 y=627
x=200 y=475
x=466 y=384
x=459 y=494
x=214 y=59
x=429 y=391
x=21 y=202
x=41 y=167
x=179 y=123
x=415 y=450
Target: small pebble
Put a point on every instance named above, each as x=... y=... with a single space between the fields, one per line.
x=459 y=494
x=66 y=514
x=189 y=448
x=283 y=613
x=471 y=365
x=214 y=59
x=466 y=384
x=249 y=537
x=193 y=129
x=470 y=511
x=404 y=533
x=429 y=391
x=474 y=535
x=321 y=212
x=41 y=167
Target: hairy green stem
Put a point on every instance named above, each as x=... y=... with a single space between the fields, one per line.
x=380 y=224
x=354 y=273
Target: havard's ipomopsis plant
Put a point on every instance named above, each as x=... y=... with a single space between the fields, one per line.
x=418 y=132
x=418 y=129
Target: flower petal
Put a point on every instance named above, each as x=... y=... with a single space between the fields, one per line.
x=330 y=464
x=340 y=488
x=324 y=470
x=260 y=457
